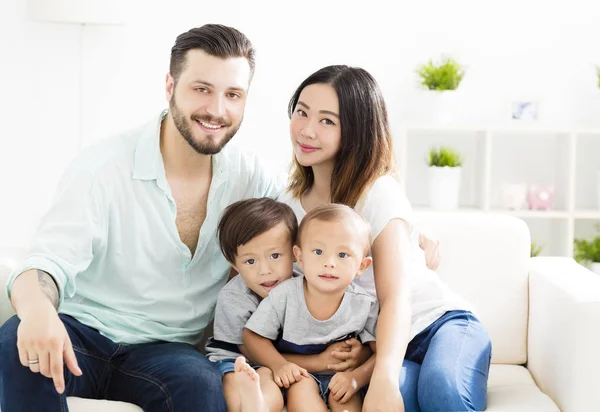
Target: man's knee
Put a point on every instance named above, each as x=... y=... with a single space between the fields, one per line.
x=199 y=380
x=8 y=342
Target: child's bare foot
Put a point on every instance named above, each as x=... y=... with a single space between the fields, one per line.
x=248 y=386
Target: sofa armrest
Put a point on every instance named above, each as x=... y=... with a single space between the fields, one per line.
x=564 y=332
x=7 y=265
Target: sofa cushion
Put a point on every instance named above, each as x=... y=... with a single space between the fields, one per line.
x=485 y=259
x=512 y=389
x=90 y=405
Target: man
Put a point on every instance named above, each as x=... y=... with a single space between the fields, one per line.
x=128 y=251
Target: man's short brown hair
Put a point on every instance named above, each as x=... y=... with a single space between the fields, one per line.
x=333 y=212
x=242 y=221
x=215 y=40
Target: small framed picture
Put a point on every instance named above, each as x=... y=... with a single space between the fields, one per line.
x=525 y=110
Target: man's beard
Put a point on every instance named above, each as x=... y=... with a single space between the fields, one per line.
x=209 y=146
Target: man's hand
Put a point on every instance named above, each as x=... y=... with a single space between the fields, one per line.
x=431 y=248
x=289 y=373
x=44 y=344
x=349 y=356
x=342 y=386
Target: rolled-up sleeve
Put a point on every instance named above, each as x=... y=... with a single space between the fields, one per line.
x=71 y=229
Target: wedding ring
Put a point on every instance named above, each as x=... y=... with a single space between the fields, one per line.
x=33 y=361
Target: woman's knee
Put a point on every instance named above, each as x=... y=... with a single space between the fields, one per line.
x=441 y=389
x=409 y=379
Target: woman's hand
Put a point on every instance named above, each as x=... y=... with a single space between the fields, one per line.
x=347 y=355
x=383 y=396
x=431 y=246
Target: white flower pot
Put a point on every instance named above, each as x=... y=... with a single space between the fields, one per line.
x=595 y=267
x=440 y=107
x=444 y=187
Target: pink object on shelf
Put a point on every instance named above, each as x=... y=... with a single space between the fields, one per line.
x=540 y=197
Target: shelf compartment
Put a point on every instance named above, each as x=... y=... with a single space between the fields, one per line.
x=471 y=144
x=516 y=158
x=587 y=171
x=551 y=234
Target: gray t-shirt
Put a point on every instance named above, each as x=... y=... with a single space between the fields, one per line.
x=235 y=304
x=284 y=318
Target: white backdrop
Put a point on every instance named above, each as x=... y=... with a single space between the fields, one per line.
x=67 y=85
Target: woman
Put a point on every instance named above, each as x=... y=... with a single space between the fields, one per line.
x=343 y=154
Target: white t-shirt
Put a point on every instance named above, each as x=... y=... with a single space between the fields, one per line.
x=384 y=201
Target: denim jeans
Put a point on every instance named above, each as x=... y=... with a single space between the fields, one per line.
x=446 y=366
x=155 y=376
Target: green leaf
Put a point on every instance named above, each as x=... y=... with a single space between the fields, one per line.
x=444 y=75
x=444 y=156
x=536 y=249
x=587 y=251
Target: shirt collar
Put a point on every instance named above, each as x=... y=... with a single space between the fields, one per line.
x=148 y=162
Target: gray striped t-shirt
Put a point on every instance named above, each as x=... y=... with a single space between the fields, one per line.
x=235 y=304
x=284 y=318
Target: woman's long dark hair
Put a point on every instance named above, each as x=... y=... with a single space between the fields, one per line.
x=366 y=149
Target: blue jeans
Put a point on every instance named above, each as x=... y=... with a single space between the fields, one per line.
x=156 y=376
x=323 y=384
x=228 y=365
x=446 y=366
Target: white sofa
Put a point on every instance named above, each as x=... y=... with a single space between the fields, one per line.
x=543 y=315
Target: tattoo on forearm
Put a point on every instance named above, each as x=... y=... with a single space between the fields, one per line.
x=48 y=286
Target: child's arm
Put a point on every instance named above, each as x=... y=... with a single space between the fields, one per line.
x=345 y=384
x=262 y=351
x=312 y=363
x=363 y=372
x=338 y=357
x=246 y=353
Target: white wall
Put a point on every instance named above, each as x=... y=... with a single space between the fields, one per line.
x=67 y=85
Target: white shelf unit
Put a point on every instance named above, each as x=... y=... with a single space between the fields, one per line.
x=568 y=160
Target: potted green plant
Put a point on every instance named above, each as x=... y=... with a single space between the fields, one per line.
x=536 y=249
x=587 y=252
x=443 y=75
x=440 y=80
x=445 y=165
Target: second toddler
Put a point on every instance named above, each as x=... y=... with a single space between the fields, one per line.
x=306 y=314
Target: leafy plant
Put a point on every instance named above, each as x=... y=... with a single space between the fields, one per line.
x=444 y=156
x=598 y=73
x=443 y=75
x=587 y=251
x=536 y=249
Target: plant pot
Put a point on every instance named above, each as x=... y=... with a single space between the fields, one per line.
x=444 y=187
x=595 y=267
x=441 y=106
